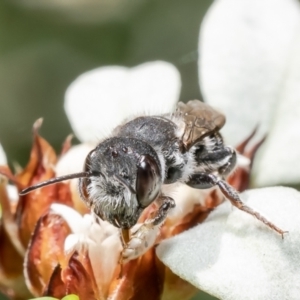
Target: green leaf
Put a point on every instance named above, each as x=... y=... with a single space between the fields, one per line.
x=71 y=297
x=44 y=298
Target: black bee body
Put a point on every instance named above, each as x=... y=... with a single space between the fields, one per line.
x=124 y=174
x=145 y=153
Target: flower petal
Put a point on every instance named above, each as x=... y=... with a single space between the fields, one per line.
x=103 y=244
x=233 y=256
x=42 y=160
x=7 y=214
x=282 y=149
x=11 y=268
x=94 y=241
x=56 y=286
x=13 y=193
x=141 y=279
x=74 y=279
x=40 y=167
x=97 y=101
x=45 y=251
x=3 y=160
x=72 y=161
x=71 y=216
x=244 y=50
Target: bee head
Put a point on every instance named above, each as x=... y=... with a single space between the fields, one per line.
x=130 y=180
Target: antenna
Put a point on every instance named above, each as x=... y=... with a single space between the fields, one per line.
x=59 y=179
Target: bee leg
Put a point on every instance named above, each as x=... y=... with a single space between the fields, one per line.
x=203 y=181
x=143 y=235
x=167 y=203
x=229 y=166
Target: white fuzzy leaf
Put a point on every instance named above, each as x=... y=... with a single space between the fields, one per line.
x=99 y=100
x=234 y=256
x=245 y=47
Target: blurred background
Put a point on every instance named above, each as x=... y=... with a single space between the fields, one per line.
x=45 y=45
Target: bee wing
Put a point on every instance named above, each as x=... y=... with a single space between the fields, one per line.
x=101 y=99
x=199 y=120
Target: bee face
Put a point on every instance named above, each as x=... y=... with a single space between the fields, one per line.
x=130 y=180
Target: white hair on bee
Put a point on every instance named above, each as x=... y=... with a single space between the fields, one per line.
x=189 y=166
x=162 y=162
x=105 y=202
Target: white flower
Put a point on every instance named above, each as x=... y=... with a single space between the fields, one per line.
x=100 y=239
x=99 y=100
x=249 y=68
x=233 y=256
x=3 y=160
x=11 y=189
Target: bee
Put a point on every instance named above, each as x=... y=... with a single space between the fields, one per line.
x=124 y=174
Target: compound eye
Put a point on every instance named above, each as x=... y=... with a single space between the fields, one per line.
x=148 y=181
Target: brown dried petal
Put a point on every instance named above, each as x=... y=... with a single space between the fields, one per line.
x=240 y=179
x=11 y=269
x=6 y=172
x=36 y=203
x=67 y=144
x=7 y=220
x=11 y=250
x=79 y=269
x=56 y=287
x=84 y=259
x=149 y=277
x=41 y=162
x=76 y=281
x=241 y=148
x=141 y=279
x=45 y=251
